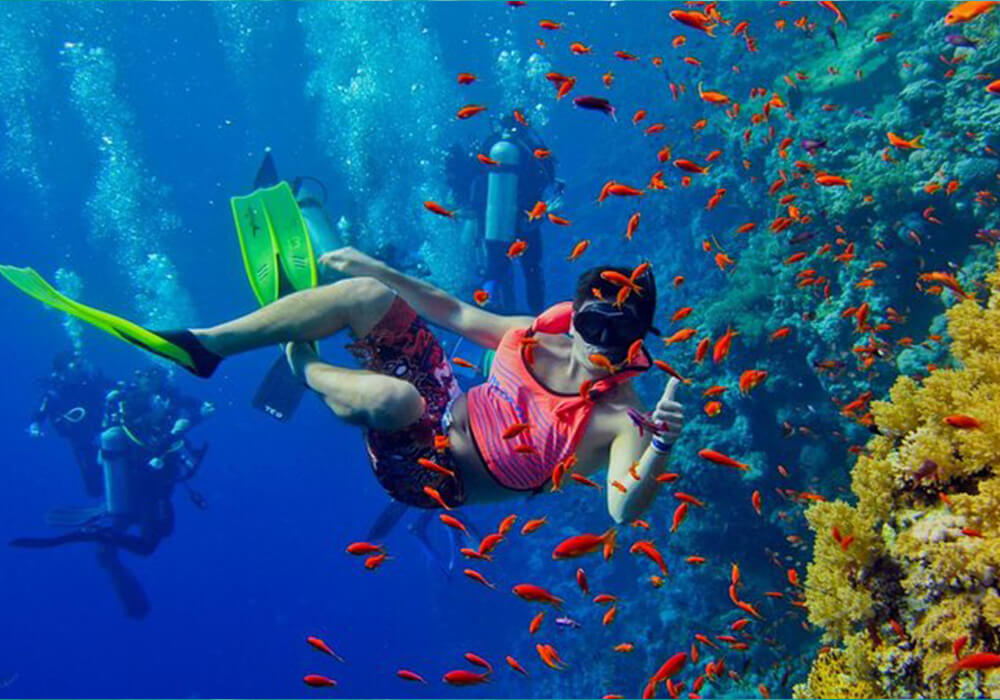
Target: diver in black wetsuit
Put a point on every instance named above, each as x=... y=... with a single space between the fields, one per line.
x=144 y=454
x=501 y=219
x=73 y=405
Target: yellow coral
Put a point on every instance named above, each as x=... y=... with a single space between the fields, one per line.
x=922 y=571
x=831 y=677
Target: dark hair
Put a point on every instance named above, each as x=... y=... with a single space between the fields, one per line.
x=644 y=305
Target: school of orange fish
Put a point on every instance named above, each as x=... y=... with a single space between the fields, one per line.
x=767 y=108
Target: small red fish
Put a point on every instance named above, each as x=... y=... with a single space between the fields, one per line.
x=314 y=680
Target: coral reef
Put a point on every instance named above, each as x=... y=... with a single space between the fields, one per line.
x=922 y=568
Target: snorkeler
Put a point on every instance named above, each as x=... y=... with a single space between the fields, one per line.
x=72 y=403
x=496 y=200
x=558 y=391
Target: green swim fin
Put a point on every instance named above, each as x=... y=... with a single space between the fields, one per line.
x=279 y=259
x=274 y=241
x=34 y=285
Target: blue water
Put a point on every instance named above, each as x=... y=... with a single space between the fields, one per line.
x=127 y=127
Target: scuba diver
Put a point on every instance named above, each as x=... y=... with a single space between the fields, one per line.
x=496 y=201
x=557 y=397
x=73 y=403
x=144 y=455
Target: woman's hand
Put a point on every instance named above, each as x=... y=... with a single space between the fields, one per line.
x=669 y=414
x=350 y=261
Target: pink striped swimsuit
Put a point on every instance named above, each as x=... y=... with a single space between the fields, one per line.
x=512 y=394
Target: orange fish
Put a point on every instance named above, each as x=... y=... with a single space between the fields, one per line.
x=363 y=548
x=690 y=166
x=533 y=525
x=963 y=422
x=516 y=248
x=721 y=349
x=900 y=142
x=476 y=576
x=610 y=615
x=702 y=350
x=967 y=11
x=579 y=49
x=679 y=516
x=755 y=501
x=462 y=677
x=453 y=522
x=466 y=78
x=712 y=408
x=620 y=190
x=316 y=681
x=638 y=116
x=407 y=675
x=435 y=467
x=320 y=645
x=681 y=313
x=537 y=211
x=833 y=181
x=649 y=549
x=578 y=250
x=695 y=20
x=712 y=97
x=536 y=622
x=481 y=296
x=721 y=459
x=680 y=336
x=542 y=153
x=470 y=111
x=375 y=561
x=438 y=209
x=587 y=543
x=536 y=594
x=486 y=160
x=751 y=379
x=633 y=224
x=435 y=496
x=512 y=662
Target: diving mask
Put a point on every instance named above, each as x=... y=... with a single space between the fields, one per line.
x=606 y=326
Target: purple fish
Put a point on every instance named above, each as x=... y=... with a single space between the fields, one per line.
x=813 y=145
x=596 y=103
x=643 y=422
x=801 y=237
x=568 y=623
x=959 y=40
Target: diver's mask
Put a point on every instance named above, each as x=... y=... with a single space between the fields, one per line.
x=608 y=329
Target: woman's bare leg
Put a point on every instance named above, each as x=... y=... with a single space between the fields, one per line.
x=312 y=314
x=358 y=396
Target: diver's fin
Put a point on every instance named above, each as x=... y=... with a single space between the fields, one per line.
x=178 y=346
x=267 y=173
x=73 y=517
x=279 y=260
x=130 y=592
x=386 y=521
x=281 y=391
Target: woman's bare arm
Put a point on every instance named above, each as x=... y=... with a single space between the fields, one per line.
x=431 y=303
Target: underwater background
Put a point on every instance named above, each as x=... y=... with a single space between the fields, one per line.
x=126 y=128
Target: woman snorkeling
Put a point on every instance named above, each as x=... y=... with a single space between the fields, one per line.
x=557 y=400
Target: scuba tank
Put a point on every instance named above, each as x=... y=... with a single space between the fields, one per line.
x=501 y=193
x=311 y=196
x=116 y=446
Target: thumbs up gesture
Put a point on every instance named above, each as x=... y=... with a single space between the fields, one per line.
x=669 y=414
